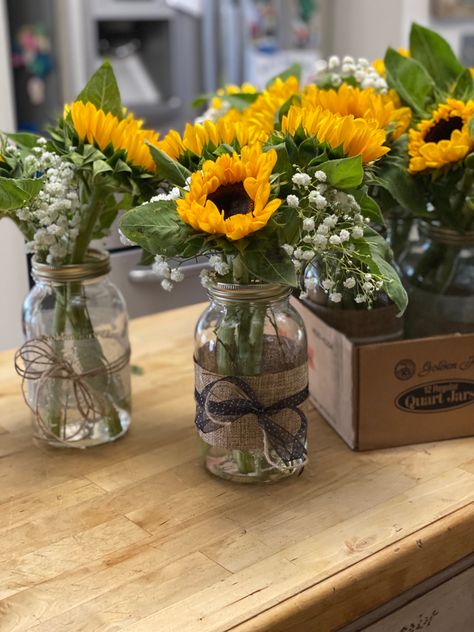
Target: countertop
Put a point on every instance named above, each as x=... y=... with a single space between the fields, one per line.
x=137 y=536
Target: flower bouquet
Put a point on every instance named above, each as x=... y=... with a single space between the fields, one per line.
x=63 y=193
x=436 y=176
x=261 y=192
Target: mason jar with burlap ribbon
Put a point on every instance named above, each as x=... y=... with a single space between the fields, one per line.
x=251 y=383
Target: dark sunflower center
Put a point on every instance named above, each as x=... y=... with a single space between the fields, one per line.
x=443 y=129
x=232 y=199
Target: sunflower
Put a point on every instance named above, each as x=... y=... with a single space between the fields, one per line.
x=356 y=135
x=103 y=129
x=231 y=195
x=362 y=103
x=443 y=139
x=198 y=136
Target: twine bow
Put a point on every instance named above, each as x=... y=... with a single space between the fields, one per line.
x=42 y=362
x=212 y=414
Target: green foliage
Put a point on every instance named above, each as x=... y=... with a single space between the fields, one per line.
x=345 y=173
x=102 y=90
x=374 y=252
x=436 y=56
x=411 y=80
x=292 y=71
x=158 y=229
x=15 y=193
x=168 y=168
x=269 y=263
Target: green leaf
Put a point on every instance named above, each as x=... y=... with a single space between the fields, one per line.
x=374 y=251
x=203 y=99
x=24 y=139
x=464 y=88
x=168 y=168
x=17 y=193
x=269 y=263
x=102 y=90
x=344 y=173
x=121 y=166
x=293 y=71
x=436 y=55
x=368 y=206
x=410 y=80
x=100 y=166
x=393 y=176
x=470 y=126
x=158 y=229
x=241 y=100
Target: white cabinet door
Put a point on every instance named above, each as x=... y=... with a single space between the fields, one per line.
x=447 y=608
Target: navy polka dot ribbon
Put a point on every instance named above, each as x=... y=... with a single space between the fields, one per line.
x=212 y=415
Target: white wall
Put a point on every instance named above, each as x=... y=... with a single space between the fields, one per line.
x=13 y=271
x=364 y=28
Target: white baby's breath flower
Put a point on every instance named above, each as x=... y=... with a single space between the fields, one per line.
x=308 y=224
x=344 y=235
x=320 y=176
x=360 y=298
x=176 y=275
x=327 y=284
x=335 y=240
x=320 y=241
x=162 y=269
x=333 y=62
x=166 y=285
x=301 y=179
x=367 y=286
x=288 y=248
x=298 y=253
x=308 y=255
x=357 y=232
x=321 y=66
x=350 y=283
x=292 y=201
x=335 y=297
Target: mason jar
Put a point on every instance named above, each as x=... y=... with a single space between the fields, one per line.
x=380 y=323
x=75 y=363
x=251 y=383
x=438 y=272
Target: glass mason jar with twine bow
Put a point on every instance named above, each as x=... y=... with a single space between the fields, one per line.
x=251 y=383
x=438 y=271
x=75 y=361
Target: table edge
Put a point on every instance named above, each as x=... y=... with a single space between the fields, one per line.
x=412 y=560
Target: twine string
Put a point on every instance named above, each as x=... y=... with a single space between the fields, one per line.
x=37 y=361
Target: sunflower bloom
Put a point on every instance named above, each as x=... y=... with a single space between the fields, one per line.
x=356 y=135
x=198 y=136
x=231 y=196
x=103 y=129
x=443 y=139
x=361 y=103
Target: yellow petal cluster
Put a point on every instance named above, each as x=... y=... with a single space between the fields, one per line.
x=355 y=135
x=198 y=135
x=443 y=139
x=251 y=170
x=253 y=125
x=361 y=103
x=103 y=128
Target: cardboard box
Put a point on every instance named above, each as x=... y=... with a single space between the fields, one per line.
x=392 y=393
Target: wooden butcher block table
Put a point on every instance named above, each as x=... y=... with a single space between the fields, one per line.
x=137 y=536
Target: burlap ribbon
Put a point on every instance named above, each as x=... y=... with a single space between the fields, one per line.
x=255 y=412
x=41 y=362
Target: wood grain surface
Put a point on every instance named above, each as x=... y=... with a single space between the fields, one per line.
x=137 y=536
